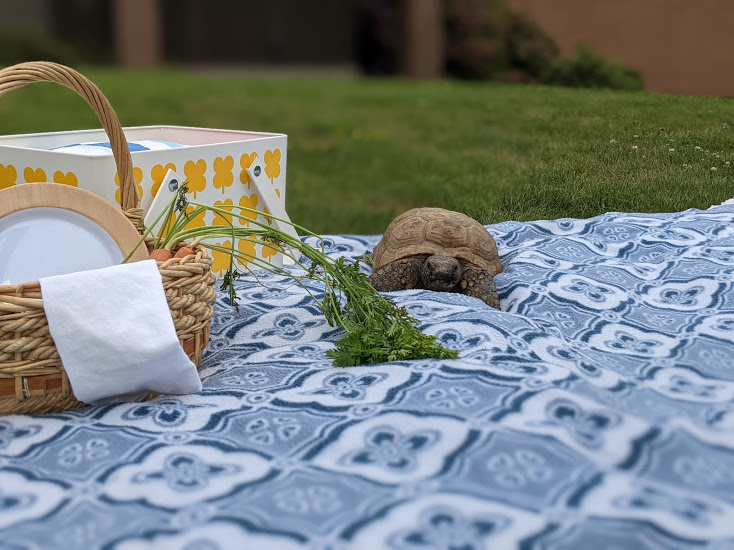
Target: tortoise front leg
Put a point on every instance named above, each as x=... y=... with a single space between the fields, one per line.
x=399 y=275
x=478 y=283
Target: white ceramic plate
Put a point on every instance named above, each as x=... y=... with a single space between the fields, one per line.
x=52 y=229
x=40 y=242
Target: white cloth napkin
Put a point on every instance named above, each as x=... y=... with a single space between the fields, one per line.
x=115 y=335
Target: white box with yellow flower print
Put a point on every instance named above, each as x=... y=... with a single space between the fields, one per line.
x=214 y=162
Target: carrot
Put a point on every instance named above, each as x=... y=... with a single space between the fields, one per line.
x=160 y=255
x=183 y=252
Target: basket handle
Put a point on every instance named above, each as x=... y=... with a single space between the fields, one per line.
x=19 y=75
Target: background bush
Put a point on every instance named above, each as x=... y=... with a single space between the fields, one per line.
x=486 y=40
x=475 y=44
x=17 y=46
x=530 y=50
x=590 y=69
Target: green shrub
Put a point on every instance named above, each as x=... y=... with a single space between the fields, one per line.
x=17 y=46
x=530 y=50
x=487 y=40
x=590 y=69
x=475 y=42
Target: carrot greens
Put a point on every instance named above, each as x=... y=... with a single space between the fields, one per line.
x=377 y=329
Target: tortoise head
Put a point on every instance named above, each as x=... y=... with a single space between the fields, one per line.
x=441 y=273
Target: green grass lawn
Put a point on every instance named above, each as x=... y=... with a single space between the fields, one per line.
x=362 y=151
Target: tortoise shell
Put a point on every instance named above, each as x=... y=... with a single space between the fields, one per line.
x=437 y=231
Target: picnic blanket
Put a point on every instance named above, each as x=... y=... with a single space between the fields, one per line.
x=595 y=411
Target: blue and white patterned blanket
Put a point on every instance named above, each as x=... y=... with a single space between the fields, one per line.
x=595 y=412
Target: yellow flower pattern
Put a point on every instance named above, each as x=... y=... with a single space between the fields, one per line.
x=8 y=175
x=223 y=219
x=196 y=221
x=195 y=177
x=34 y=176
x=245 y=162
x=223 y=176
x=269 y=249
x=157 y=174
x=137 y=176
x=272 y=164
x=247 y=249
x=248 y=202
x=67 y=179
x=221 y=260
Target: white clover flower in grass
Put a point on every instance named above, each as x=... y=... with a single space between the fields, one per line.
x=727 y=163
x=671 y=150
x=713 y=168
x=634 y=147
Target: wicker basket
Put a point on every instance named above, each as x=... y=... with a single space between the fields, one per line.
x=32 y=377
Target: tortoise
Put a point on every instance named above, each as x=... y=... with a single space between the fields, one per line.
x=437 y=249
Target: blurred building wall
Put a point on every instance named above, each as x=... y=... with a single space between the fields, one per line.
x=679 y=46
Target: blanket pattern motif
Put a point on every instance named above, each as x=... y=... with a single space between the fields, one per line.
x=595 y=411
